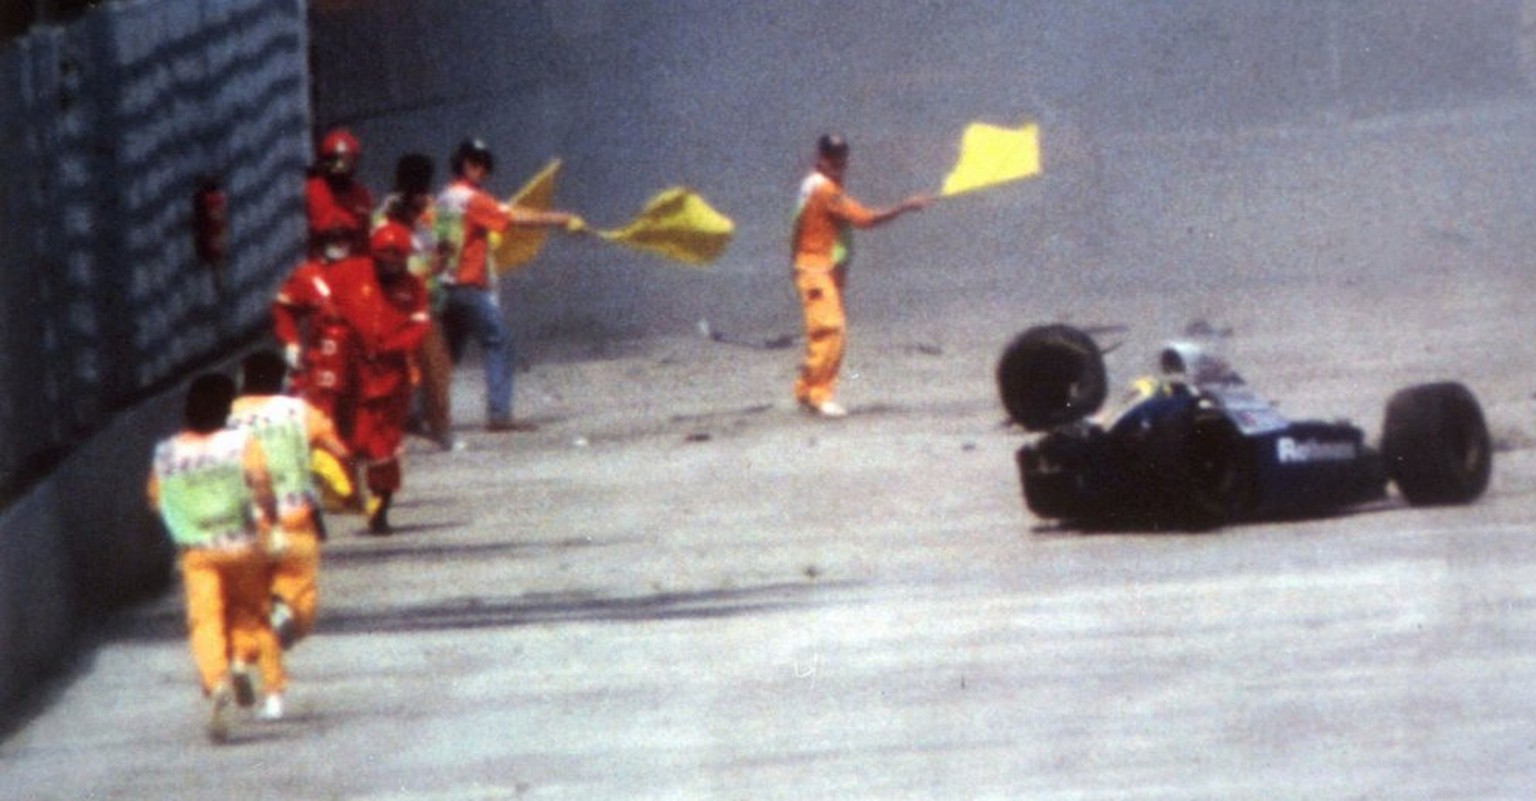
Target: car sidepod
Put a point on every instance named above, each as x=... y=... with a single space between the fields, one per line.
x=1312 y=467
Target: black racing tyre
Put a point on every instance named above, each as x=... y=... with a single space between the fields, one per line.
x=1201 y=472
x=1051 y=375
x=1435 y=444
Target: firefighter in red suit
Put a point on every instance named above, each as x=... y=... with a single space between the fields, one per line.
x=385 y=307
x=333 y=195
x=315 y=338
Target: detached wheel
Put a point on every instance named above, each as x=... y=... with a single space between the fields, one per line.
x=1435 y=445
x=1051 y=375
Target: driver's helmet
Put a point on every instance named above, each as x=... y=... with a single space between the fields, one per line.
x=1192 y=362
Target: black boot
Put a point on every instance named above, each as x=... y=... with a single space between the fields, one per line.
x=378 y=522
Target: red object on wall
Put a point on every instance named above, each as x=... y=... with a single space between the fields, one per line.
x=210 y=222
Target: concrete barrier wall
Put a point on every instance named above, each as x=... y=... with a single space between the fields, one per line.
x=38 y=613
x=80 y=543
x=109 y=124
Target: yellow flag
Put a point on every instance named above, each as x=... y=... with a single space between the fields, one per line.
x=518 y=244
x=335 y=485
x=990 y=155
x=677 y=224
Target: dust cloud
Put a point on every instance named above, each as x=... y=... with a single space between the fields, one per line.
x=1217 y=151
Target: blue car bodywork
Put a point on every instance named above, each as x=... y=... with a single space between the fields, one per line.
x=1196 y=448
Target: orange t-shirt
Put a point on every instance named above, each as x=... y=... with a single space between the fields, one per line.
x=466 y=216
x=823 y=220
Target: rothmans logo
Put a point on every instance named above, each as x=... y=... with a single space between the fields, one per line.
x=1314 y=450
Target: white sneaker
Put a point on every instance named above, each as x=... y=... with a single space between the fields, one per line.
x=831 y=408
x=271 y=707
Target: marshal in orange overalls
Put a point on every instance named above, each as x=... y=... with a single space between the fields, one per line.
x=822 y=250
x=825 y=217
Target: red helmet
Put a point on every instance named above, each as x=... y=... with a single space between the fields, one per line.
x=339 y=143
x=390 y=241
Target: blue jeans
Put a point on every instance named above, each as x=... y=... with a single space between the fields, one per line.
x=473 y=312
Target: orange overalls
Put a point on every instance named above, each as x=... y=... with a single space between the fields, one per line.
x=822 y=244
x=202 y=486
x=289 y=428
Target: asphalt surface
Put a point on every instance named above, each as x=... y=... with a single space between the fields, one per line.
x=680 y=587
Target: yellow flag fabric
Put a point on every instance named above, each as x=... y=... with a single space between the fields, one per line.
x=518 y=245
x=991 y=155
x=335 y=485
x=677 y=224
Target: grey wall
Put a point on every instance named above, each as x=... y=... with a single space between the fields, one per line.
x=107 y=124
x=1145 y=109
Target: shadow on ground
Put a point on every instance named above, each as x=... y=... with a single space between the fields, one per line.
x=477 y=612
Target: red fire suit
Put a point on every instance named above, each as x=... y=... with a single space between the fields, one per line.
x=304 y=314
x=338 y=202
x=388 y=320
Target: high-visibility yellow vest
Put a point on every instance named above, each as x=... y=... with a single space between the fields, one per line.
x=204 y=499
x=278 y=422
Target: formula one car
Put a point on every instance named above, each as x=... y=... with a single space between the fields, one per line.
x=1195 y=447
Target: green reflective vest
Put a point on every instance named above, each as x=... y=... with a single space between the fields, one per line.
x=204 y=499
x=278 y=422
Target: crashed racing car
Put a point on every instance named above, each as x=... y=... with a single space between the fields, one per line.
x=1194 y=447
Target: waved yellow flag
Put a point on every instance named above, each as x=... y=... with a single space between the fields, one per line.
x=518 y=244
x=991 y=155
x=677 y=224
